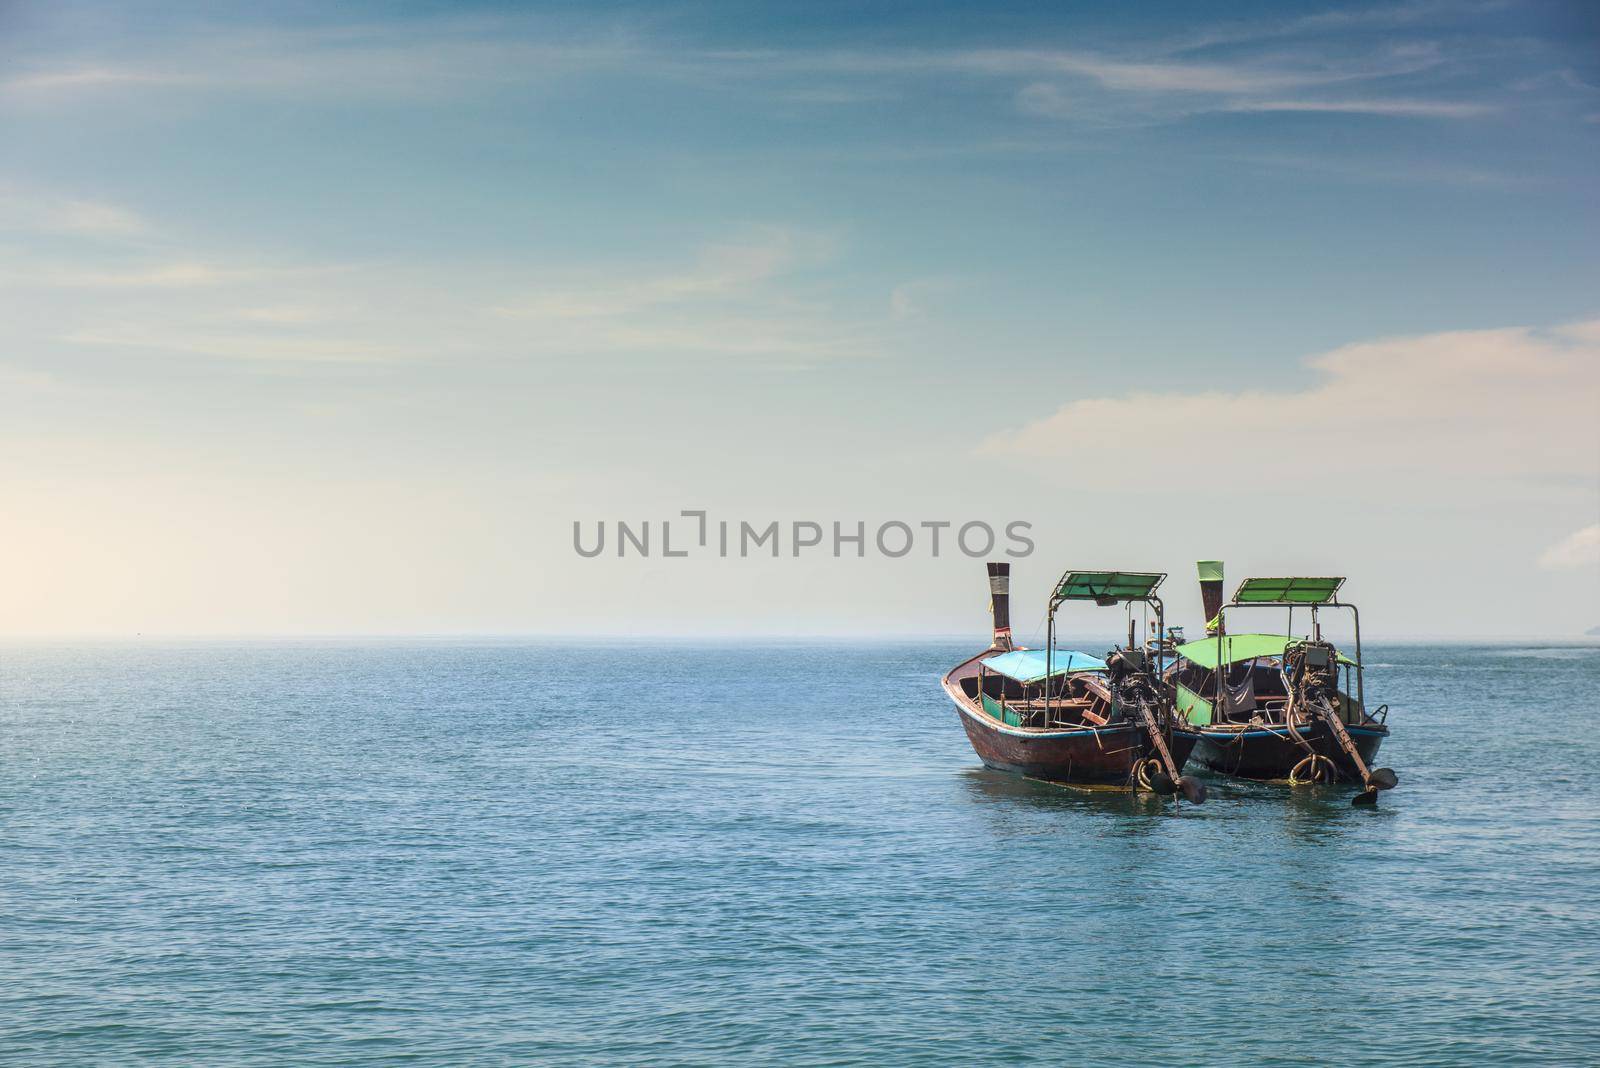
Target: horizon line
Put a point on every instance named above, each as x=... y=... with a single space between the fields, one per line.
x=669 y=636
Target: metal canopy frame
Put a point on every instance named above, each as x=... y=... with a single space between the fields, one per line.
x=1287 y=586
x=1107 y=588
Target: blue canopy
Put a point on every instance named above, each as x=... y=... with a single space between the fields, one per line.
x=1027 y=665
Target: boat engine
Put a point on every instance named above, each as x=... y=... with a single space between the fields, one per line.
x=1312 y=669
x=1136 y=691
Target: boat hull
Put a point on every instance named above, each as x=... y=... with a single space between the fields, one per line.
x=1255 y=753
x=1104 y=755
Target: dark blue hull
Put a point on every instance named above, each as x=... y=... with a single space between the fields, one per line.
x=1259 y=753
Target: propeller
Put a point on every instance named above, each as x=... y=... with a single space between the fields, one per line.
x=1165 y=779
x=1375 y=778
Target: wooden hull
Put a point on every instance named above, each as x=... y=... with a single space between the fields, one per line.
x=1104 y=755
x=1254 y=753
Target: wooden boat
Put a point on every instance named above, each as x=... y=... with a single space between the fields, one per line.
x=1065 y=716
x=1274 y=706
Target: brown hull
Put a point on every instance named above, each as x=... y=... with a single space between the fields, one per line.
x=1076 y=755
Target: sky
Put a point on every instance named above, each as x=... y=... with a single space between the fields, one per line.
x=335 y=319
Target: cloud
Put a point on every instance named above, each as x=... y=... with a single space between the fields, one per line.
x=1581 y=548
x=70 y=78
x=721 y=270
x=283 y=314
x=35 y=212
x=1148 y=76
x=737 y=298
x=1391 y=417
x=405 y=58
x=1045 y=99
x=1416 y=109
x=752 y=295
x=1166 y=88
x=162 y=276
x=244 y=347
x=434 y=56
x=909 y=300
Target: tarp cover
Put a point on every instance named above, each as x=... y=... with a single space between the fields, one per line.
x=1288 y=590
x=1237 y=647
x=1121 y=585
x=1027 y=665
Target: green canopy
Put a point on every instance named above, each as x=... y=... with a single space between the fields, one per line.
x=1287 y=590
x=1237 y=647
x=1107 y=585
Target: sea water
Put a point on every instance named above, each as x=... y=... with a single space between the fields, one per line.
x=653 y=854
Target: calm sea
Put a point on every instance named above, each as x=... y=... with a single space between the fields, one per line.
x=498 y=853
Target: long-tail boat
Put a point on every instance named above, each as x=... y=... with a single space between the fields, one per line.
x=1274 y=706
x=1065 y=716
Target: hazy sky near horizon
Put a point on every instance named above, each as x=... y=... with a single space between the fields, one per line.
x=334 y=318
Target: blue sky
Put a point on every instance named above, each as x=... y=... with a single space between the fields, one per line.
x=333 y=318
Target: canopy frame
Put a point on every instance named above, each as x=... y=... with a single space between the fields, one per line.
x=1108 y=588
x=1252 y=586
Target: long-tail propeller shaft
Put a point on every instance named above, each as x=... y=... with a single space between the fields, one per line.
x=1316 y=697
x=1139 y=695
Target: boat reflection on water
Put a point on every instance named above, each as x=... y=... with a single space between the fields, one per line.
x=1008 y=798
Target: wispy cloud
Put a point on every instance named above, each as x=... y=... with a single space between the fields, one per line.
x=245 y=347
x=755 y=296
x=1246 y=67
x=1142 y=76
x=67 y=79
x=1047 y=100
x=910 y=300
x=1162 y=87
x=720 y=270
x=1429 y=14
x=160 y=276
x=736 y=298
x=1415 y=109
x=284 y=314
x=35 y=212
x=407 y=58
x=1581 y=548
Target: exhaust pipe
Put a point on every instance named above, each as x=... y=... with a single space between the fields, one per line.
x=1210 y=591
x=1000 y=604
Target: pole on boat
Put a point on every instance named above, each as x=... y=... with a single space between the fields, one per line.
x=1000 y=603
x=1210 y=572
x=1380 y=778
x=1193 y=789
x=1376 y=778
